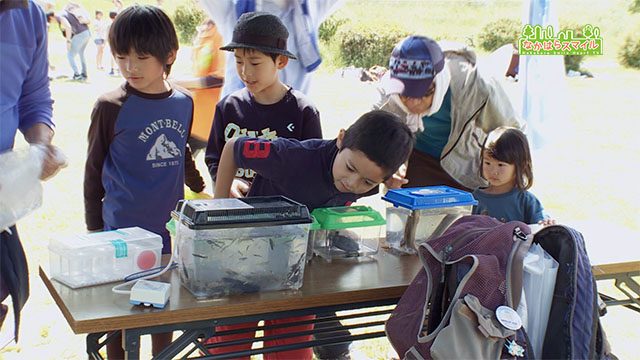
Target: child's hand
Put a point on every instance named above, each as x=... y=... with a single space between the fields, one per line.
x=547 y=222
x=239 y=188
x=398 y=179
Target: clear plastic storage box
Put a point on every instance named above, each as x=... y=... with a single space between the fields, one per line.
x=101 y=257
x=346 y=232
x=234 y=246
x=419 y=214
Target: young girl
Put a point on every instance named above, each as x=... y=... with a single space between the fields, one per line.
x=506 y=165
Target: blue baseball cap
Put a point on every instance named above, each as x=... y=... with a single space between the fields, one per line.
x=413 y=65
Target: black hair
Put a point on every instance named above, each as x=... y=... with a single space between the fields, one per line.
x=511 y=146
x=145 y=29
x=273 y=56
x=113 y=14
x=383 y=137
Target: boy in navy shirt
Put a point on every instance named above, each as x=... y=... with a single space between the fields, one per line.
x=321 y=173
x=138 y=153
x=266 y=108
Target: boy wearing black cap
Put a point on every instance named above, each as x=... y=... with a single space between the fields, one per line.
x=266 y=108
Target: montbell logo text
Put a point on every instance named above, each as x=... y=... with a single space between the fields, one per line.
x=536 y=40
x=159 y=125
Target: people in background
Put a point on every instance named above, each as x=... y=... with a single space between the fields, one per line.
x=205 y=84
x=74 y=22
x=114 y=71
x=101 y=26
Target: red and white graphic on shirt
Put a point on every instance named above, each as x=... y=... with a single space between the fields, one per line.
x=253 y=149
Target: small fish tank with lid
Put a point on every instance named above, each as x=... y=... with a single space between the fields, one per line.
x=346 y=232
x=235 y=246
x=422 y=213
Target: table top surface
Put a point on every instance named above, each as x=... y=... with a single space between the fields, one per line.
x=97 y=308
x=383 y=277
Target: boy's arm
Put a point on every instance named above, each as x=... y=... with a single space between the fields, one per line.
x=192 y=176
x=226 y=170
x=269 y=159
x=215 y=144
x=100 y=135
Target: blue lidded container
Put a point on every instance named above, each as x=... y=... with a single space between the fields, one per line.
x=421 y=213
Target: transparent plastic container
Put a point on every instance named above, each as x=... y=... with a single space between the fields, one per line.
x=235 y=246
x=102 y=257
x=423 y=213
x=346 y=232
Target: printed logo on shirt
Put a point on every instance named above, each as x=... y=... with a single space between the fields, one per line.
x=161 y=124
x=232 y=130
x=256 y=150
x=163 y=152
x=163 y=148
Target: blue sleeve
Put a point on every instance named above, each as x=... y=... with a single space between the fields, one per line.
x=270 y=159
x=533 y=211
x=35 y=104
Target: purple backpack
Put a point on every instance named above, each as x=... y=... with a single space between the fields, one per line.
x=460 y=305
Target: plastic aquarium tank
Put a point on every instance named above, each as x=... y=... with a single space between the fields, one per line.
x=101 y=257
x=235 y=246
x=346 y=232
x=422 y=213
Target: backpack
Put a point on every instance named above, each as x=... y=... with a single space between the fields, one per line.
x=455 y=306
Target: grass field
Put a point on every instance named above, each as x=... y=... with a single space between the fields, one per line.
x=586 y=180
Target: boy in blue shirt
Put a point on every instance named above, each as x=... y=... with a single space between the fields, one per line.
x=265 y=108
x=321 y=173
x=138 y=153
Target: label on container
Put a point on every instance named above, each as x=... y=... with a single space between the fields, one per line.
x=508 y=317
x=120 y=248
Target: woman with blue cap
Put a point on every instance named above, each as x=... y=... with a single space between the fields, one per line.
x=449 y=104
